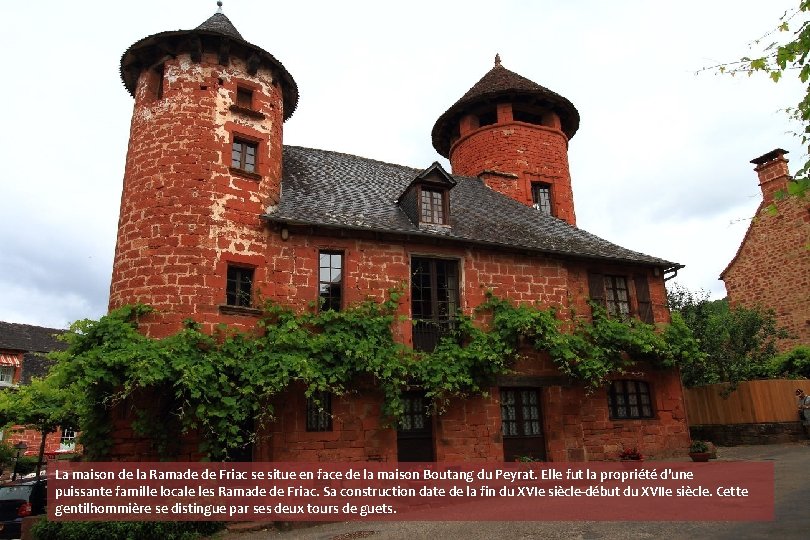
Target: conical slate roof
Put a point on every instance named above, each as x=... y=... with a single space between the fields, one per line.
x=216 y=34
x=497 y=84
x=220 y=24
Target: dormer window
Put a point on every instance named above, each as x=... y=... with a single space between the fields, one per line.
x=433 y=203
x=426 y=200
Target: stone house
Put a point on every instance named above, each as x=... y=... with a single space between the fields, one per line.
x=22 y=355
x=771 y=268
x=216 y=211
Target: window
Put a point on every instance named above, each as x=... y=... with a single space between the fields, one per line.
x=612 y=293
x=629 y=399
x=330 y=280
x=239 y=287
x=243 y=155
x=434 y=300
x=244 y=97
x=520 y=412
x=6 y=375
x=319 y=412
x=488 y=117
x=414 y=414
x=617 y=300
x=67 y=441
x=433 y=206
x=541 y=197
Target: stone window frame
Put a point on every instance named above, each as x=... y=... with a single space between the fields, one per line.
x=242 y=165
x=239 y=297
x=542 y=197
x=327 y=301
x=520 y=418
x=437 y=322
x=628 y=394
x=246 y=107
x=319 y=412
x=603 y=290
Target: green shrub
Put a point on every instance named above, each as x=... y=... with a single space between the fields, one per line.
x=7 y=455
x=26 y=465
x=124 y=530
x=794 y=363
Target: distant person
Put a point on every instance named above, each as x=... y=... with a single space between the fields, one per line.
x=803 y=402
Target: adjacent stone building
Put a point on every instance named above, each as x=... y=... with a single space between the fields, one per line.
x=772 y=266
x=216 y=213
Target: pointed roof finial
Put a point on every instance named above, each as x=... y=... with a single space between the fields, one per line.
x=219 y=6
x=497 y=59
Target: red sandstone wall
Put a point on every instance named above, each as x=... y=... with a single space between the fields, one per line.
x=772 y=268
x=358 y=434
x=33 y=438
x=181 y=206
x=577 y=424
x=531 y=152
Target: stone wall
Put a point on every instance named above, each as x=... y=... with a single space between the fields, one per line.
x=772 y=266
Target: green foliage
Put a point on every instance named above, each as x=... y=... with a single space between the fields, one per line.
x=219 y=386
x=792 y=364
x=699 y=447
x=7 y=455
x=124 y=530
x=26 y=465
x=737 y=344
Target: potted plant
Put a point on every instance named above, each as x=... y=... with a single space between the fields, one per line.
x=631 y=454
x=699 y=451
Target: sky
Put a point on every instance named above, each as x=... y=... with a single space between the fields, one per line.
x=660 y=163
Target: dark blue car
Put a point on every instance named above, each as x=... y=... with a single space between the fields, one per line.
x=19 y=499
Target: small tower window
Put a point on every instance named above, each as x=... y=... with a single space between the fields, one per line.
x=527 y=116
x=239 y=287
x=433 y=206
x=243 y=155
x=487 y=118
x=541 y=197
x=244 y=97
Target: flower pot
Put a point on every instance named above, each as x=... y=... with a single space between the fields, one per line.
x=700 y=456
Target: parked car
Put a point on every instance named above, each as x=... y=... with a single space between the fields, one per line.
x=27 y=497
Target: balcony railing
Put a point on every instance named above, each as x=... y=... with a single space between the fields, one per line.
x=428 y=333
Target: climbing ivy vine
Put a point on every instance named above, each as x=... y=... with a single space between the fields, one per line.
x=217 y=385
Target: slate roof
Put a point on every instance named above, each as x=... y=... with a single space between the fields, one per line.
x=497 y=83
x=152 y=49
x=29 y=338
x=218 y=23
x=343 y=191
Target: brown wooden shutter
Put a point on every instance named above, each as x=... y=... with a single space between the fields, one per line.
x=596 y=288
x=645 y=312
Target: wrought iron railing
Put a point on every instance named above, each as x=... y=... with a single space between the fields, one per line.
x=428 y=333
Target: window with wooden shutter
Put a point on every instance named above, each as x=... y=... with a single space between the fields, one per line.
x=596 y=288
x=645 y=312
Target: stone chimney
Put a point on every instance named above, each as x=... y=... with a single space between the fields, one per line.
x=773 y=173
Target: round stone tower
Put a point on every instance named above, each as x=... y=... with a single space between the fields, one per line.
x=513 y=133
x=203 y=163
